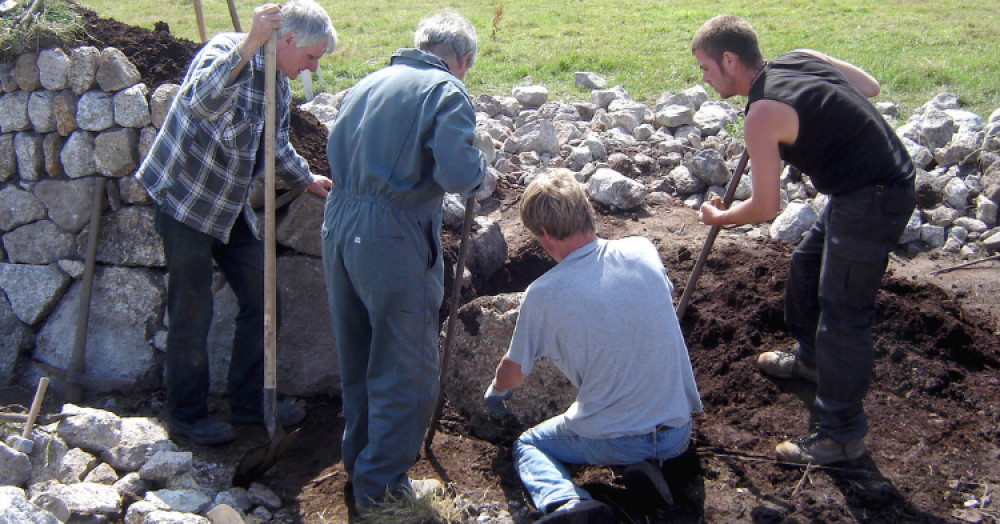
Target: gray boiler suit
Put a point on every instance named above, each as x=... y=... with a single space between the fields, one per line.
x=403 y=137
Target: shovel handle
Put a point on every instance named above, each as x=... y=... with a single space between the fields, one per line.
x=714 y=232
x=234 y=16
x=200 y=18
x=270 y=291
x=456 y=292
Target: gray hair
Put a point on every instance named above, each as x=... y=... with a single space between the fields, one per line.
x=444 y=33
x=309 y=22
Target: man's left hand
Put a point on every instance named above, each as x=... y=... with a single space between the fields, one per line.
x=321 y=185
x=496 y=400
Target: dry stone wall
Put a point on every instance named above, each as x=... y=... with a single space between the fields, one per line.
x=67 y=119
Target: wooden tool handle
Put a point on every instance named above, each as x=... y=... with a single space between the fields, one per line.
x=36 y=405
x=712 y=233
x=234 y=16
x=200 y=17
x=270 y=291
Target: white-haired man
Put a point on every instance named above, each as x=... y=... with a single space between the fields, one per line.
x=199 y=172
x=403 y=137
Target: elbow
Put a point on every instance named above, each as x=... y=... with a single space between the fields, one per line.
x=873 y=89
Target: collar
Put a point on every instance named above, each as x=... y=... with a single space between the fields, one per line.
x=411 y=55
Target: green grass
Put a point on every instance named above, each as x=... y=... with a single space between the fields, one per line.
x=916 y=48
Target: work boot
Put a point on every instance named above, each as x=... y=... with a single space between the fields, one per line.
x=647 y=477
x=423 y=488
x=286 y=414
x=419 y=490
x=785 y=364
x=817 y=449
x=580 y=511
x=208 y=431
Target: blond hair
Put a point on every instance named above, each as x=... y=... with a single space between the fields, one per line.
x=556 y=204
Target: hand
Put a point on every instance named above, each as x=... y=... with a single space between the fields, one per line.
x=266 y=19
x=495 y=400
x=321 y=185
x=712 y=212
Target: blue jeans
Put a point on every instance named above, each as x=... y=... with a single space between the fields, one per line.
x=833 y=280
x=540 y=453
x=189 y=255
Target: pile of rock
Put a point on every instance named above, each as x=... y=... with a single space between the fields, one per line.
x=630 y=155
x=93 y=466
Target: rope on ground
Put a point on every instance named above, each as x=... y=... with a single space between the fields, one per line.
x=960 y=266
x=751 y=457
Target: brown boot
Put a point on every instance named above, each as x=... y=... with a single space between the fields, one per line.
x=817 y=449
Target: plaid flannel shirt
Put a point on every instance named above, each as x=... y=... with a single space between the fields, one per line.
x=210 y=147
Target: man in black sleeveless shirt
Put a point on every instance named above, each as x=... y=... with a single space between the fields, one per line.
x=812 y=111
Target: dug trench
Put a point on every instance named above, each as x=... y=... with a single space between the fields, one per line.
x=933 y=442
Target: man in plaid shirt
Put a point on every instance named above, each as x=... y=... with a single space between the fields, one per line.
x=199 y=172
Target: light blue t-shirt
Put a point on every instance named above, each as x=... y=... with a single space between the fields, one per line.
x=605 y=318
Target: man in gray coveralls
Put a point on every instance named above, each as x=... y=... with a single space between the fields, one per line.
x=403 y=137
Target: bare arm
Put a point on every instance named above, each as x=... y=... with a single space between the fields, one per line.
x=864 y=82
x=508 y=375
x=768 y=124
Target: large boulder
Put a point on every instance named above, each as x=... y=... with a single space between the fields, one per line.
x=482 y=337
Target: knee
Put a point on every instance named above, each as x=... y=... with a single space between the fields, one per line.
x=521 y=446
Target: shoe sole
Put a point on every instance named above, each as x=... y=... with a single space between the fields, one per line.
x=200 y=440
x=598 y=515
x=647 y=477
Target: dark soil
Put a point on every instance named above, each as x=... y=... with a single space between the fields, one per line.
x=932 y=406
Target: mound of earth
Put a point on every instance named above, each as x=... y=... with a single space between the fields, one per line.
x=933 y=444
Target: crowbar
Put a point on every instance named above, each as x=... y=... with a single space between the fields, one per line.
x=712 y=233
x=73 y=376
x=456 y=291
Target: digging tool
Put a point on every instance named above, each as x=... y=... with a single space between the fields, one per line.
x=960 y=266
x=234 y=16
x=41 y=419
x=258 y=460
x=714 y=232
x=200 y=17
x=73 y=375
x=456 y=292
x=24 y=444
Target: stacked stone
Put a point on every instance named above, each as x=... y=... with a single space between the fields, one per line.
x=67 y=118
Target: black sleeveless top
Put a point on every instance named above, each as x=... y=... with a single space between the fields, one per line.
x=843 y=142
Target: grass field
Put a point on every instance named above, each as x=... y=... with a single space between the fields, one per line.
x=916 y=48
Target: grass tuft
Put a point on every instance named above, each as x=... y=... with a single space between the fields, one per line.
x=37 y=24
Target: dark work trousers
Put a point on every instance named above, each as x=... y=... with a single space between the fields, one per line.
x=189 y=255
x=833 y=280
x=384 y=277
